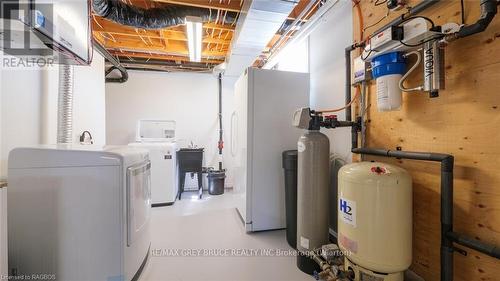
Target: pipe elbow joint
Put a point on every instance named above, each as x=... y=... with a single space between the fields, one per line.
x=488 y=12
x=447 y=163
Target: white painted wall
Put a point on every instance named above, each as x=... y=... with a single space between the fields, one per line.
x=326 y=64
x=191 y=99
x=295 y=57
x=28 y=116
x=28 y=106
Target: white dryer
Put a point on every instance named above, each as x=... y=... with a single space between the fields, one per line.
x=79 y=213
x=158 y=137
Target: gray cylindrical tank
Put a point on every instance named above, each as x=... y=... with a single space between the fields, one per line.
x=312 y=196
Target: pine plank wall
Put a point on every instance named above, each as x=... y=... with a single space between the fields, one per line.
x=463 y=121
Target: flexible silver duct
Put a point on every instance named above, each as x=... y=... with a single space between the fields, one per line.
x=65 y=105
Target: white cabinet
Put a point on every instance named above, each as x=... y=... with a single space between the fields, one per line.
x=3 y=232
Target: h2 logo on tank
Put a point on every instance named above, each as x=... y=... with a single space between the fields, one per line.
x=347 y=209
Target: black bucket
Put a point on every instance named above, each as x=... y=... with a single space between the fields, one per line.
x=290 y=167
x=216 y=181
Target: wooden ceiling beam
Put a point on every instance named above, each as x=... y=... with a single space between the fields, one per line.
x=232 y=6
x=173 y=48
x=164 y=34
x=107 y=25
x=224 y=27
x=161 y=57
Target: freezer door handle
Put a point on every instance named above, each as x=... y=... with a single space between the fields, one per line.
x=234 y=133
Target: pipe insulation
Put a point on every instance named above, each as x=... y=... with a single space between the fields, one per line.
x=153 y=18
x=65 y=105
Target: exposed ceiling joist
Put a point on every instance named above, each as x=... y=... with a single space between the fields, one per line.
x=161 y=57
x=172 y=48
x=232 y=6
x=171 y=44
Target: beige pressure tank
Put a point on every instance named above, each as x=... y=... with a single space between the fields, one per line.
x=375 y=219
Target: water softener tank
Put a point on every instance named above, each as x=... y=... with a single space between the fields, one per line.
x=312 y=194
x=375 y=220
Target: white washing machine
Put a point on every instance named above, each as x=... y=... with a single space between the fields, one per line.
x=158 y=137
x=79 y=213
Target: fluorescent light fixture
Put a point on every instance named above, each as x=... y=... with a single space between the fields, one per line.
x=194 y=27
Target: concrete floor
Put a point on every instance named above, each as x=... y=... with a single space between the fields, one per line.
x=198 y=240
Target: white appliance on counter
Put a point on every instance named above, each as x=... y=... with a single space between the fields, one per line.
x=261 y=129
x=158 y=137
x=3 y=232
x=79 y=213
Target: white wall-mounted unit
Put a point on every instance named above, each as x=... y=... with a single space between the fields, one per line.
x=79 y=213
x=261 y=129
x=57 y=29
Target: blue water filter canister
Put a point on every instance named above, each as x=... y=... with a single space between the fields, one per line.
x=388 y=69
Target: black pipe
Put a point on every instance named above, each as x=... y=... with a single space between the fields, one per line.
x=221 y=141
x=348 y=50
x=152 y=18
x=488 y=12
x=348 y=111
x=447 y=162
x=492 y=251
x=448 y=236
x=413 y=11
x=116 y=65
x=126 y=61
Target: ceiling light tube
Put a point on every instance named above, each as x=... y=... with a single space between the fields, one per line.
x=194 y=29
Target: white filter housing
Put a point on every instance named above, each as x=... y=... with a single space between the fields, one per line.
x=375 y=216
x=389 y=96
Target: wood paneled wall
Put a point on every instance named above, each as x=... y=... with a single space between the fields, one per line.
x=464 y=121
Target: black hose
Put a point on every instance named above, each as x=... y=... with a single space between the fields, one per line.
x=116 y=65
x=413 y=11
x=152 y=18
x=221 y=132
x=488 y=12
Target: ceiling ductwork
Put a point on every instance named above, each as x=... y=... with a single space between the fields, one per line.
x=258 y=23
x=152 y=18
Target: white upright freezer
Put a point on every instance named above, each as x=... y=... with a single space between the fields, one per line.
x=261 y=129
